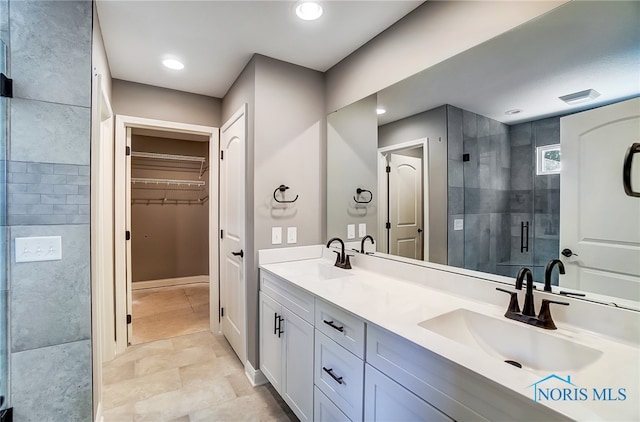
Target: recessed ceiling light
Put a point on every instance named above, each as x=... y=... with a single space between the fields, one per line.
x=380 y=110
x=512 y=112
x=309 y=10
x=173 y=64
x=578 y=97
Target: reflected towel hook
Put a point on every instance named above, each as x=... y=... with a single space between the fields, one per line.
x=359 y=191
x=283 y=188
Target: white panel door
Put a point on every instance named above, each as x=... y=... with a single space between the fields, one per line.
x=298 y=365
x=600 y=223
x=127 y=201
x=405 y=208
x=232 y=224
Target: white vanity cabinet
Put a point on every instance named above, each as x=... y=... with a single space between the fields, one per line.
x=286 y=343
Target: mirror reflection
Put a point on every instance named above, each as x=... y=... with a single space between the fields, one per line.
x=464 y=160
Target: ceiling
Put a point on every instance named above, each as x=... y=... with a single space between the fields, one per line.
x=578 y=46
x=216 y=39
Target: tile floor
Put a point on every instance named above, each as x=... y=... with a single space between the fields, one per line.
x=191 y=378
x=166 y=312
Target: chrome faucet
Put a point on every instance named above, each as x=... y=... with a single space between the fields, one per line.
x=543 y=320
x=548 y=270
x=362 y=242
x=342 y=260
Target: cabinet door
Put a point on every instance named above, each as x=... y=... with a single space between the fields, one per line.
x=385 y=400
x=298 y=365
x=270 y=341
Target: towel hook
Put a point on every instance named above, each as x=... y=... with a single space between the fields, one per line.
x=359 y=191
x=283 y=188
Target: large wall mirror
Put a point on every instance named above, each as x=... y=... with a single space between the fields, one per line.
x=461 y=164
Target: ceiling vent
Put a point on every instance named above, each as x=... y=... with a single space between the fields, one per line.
x=578 y=97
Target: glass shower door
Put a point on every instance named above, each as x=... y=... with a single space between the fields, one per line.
x=4 y=293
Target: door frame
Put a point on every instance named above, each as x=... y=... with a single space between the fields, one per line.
x=120 y=226
x=382 y=191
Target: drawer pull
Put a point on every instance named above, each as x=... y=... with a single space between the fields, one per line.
x=275 y=323
x=332 y=325
x=334 y=376
x=280 y=330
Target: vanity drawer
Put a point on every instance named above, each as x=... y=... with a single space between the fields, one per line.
x=295 y=299
x=325 y=411
x=339 y=374
x=343 y=327
x=418 y=370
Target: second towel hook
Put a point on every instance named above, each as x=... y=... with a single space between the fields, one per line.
x=360 y=191
x=283 y=188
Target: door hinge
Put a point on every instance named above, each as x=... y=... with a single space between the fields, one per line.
x=6 y=86
x=128 y=319
x=222 y=155
x=221 y=312
x=388 y=169
x=466 y=157
x=388 y=226
x=128 y=151
x=127 y=235
x=221 y=234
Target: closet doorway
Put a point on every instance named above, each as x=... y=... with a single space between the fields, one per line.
x=169 y=201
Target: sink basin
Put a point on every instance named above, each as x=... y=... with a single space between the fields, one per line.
x=315 y=270
x=532 y=348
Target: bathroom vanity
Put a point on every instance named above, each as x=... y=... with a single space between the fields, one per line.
x=389 y=340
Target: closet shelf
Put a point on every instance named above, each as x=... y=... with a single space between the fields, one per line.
x=158 y=156
x=174 y=182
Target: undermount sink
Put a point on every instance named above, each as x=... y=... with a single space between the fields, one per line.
x=527 y=346
x=316 y=270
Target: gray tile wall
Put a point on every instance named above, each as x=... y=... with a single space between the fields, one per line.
x=534 y=198
x=455 y=190
x=48 y=195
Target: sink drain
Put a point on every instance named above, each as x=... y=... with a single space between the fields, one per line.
x=514 y=363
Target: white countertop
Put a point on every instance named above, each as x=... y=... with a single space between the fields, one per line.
x=399 y=306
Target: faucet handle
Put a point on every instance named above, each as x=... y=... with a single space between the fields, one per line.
x=514 y=307
x=545 y=314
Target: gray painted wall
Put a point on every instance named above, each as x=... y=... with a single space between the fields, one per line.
x=352 y=162
x=278 y=153
x=430 y=124
x=152 y=102
x=49 y=195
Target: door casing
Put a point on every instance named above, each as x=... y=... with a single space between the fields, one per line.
x=123 y=288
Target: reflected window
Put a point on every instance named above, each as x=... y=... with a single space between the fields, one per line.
x=548 y=159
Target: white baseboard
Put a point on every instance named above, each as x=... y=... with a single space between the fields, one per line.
x=255 y=376
x=99 y=417
x=166 y=282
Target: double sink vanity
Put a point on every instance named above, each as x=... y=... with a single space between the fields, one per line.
x=388 y=340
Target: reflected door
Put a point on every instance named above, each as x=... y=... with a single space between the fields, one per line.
x=405 y=206
x=600 y=227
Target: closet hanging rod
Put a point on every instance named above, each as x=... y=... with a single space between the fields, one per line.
x=159 y=156
x=148 y=181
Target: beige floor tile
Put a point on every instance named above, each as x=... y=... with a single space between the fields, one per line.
x=205 y=372
x=136 y=352
x=174 y=359
x=140 y=388
x=250 y=408
x=191 y=398
x=115 y=371
x=184 y=418
x=201 y=338
x=240 y=384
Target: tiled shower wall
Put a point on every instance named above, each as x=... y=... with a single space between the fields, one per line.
x=478 y=190
x=48 y=195
x=534 y=198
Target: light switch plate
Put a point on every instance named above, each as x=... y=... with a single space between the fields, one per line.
x=458 y=224
x=31 y=249
x=292 y=234
x=362 y=229
x=351 y=231
x=276 y=235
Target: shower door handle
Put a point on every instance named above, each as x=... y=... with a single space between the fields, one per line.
x=524 y=237
x=626 y=170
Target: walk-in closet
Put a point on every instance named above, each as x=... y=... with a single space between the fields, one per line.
x=169 y=234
